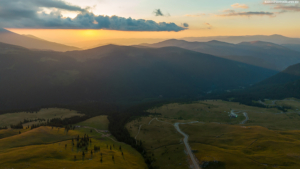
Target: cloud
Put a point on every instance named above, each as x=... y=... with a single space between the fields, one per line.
x=30 y=14
x=229 y=13
x=185 y=25
x=55 y=4
x=237 y=5
x=209 y=26
x=158 y=12
x=288 y=8
x=195 y=15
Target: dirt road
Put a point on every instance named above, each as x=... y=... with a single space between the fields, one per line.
x=247 y=118
x=186 y=143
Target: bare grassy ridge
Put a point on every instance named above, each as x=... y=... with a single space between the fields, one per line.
x=44 y=147
x=217 y=111
x=11 y=132
x=98 y=122
x=50 y=113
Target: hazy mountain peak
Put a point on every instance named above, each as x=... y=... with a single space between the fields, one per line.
x=277 y=35
x=34 y=37
x=2 y=30
x=31 y=42
x=7 y=48
x=275 y=38
x=218 y=42
x=173 y=41
x=293 y=70
x=261 y=44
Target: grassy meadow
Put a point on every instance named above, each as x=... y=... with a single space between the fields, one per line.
x=50 y=113
x=218 y=111
x=244 y=147
x=98 y=122
x=47 y=147
x=269 y=139
x=162 y=142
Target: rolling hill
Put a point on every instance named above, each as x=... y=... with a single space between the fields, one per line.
x=7 y=48
x=258 y=53
x=282 y=85
x=119 y=74
x=292 y=73
x=295 y=47
x=31 y=42
x=285 y=84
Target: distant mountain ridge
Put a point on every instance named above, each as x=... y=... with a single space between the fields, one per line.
x=295 y=47
x=34 y=37
x=258 y=53
x=32 y=42
x=117 y=74
x=7 y=48
x=292 y=73
x=285 y=84
x=277 y=39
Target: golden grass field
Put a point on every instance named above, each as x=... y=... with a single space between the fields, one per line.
x=98 y=122
x=161 y=140
x=44 y=147
x=14 y=118
x=269 y=139
x=244 y=147
x=217 y=111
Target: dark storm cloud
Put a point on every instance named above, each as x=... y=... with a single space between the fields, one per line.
x=157 y=12
x=29 y=8
x=54 y=4
x=30 y=14
x=185 y=25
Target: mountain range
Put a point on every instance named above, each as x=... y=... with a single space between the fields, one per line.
x=121 y=74
x=258 y=53
x=277 y=39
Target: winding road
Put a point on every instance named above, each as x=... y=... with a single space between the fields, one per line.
x=186 y=143
x=273 y=103
x=138 y=133
x=185 y=140
x=186 y=137
x=247 y=118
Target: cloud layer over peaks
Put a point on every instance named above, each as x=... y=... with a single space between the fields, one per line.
x=31 y=14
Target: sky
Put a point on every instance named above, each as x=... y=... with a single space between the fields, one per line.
x=69 y=21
